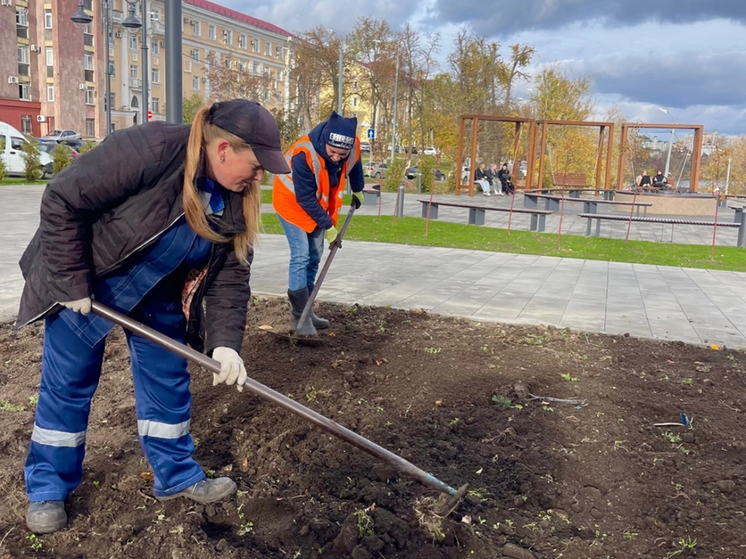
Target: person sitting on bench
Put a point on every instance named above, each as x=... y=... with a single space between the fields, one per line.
x=660 y=181
x=643 y=181
x=480 y=178
x=504 y=176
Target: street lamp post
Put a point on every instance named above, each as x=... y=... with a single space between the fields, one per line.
x=340 y=106
x=81 y=19
x=174 y=101
x=670 y=141
x=132 y=22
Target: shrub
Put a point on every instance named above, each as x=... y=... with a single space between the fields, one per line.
x=427 y=168
x=3 y=169
x=395 y=176
x=87 y=146
x=61 y=158
x=32 y=169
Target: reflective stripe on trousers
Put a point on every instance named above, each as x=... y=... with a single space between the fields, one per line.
x=70 y=375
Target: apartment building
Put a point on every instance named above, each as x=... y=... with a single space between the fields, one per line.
x=59 y=80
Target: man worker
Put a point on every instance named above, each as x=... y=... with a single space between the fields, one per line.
x=307 y=201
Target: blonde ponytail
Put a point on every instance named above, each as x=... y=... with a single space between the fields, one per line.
x=203 y=133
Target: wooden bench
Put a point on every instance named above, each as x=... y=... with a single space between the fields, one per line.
x=570 y=179
x=371 y=194
x=741 y=242
x=477 y=213
x=591 y=207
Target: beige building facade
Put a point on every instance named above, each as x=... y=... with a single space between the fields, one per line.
x=59 y=79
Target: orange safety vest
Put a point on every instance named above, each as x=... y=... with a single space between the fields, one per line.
x=283 y=191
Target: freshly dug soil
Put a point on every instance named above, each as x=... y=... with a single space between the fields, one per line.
x=546 y=479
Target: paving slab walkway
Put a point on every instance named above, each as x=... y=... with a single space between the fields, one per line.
x=690 y=305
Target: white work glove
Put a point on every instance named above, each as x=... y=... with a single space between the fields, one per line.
x=83 y=306
x=232 y=370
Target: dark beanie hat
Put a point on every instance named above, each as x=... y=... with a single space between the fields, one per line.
x=340 y=132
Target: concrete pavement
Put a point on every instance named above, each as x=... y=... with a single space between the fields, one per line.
x=691 y=305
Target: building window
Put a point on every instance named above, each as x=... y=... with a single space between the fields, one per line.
x=156 y=46
x=50 y=56
x=22 y=17
x=135 y=103
x=90 y=96
x=133 y=41
x=255 y=44
x=242 y=41
x=354 y=101
x=47 y=19
x=195 y=84
x=113 y=98
x=228 y=37
x=188 y=66
x=156 y=104
x=267 y=48
x=266 y=95
x=26 y=124
x=196 y=28
x=90 y=127
x=23 y=54
x=50 y=93
x=134 y=71
x=195 y=55
x=254 y=68
x=155 y=76
x=211 y=34
x=88 y=61
x=354 y=85
x=24 y=92
x=279 y=75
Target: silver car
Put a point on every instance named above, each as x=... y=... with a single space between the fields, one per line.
x=62 y=135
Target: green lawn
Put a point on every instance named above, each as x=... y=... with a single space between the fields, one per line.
x=21 y=181
x=411 y=231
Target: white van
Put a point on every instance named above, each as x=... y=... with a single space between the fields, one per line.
x=11 y=143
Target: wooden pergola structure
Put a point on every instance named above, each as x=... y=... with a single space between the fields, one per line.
x=696 y=148
x=545 y=124
x=520 y=124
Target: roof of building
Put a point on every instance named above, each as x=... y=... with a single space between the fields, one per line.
x=233 y=14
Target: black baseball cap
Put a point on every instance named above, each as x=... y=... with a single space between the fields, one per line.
x=256 y=126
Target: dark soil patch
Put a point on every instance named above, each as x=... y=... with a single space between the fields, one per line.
x=547 y=480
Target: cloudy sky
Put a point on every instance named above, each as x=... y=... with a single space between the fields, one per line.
x=687 y=56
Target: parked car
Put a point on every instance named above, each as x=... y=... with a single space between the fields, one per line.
x=430 y=151
x=60 y=135
x=11 y=152
x=364 y=147
x=48 y=147
x=375 y=170
x=411 y=173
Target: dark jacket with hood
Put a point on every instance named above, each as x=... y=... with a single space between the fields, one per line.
x=114 y=201
x=304 y=180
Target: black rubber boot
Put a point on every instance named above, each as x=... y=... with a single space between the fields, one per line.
x=298 y=300
x=318 y=323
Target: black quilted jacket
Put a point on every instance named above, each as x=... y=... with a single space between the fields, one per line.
x=116 y=200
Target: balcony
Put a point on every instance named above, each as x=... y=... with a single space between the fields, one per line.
x=135 y=83
x=157 y=28
x=22 y=31
x=23 y=69
x=88 y=75
x=117 y=16
x=88 y=39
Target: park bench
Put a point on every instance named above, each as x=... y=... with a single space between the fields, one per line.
x=741 y=242
x=591 y=207
x=477 y=213
x=573 y=180
x=371 y=194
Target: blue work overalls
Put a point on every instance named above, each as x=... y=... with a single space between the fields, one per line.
x=148 y=288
